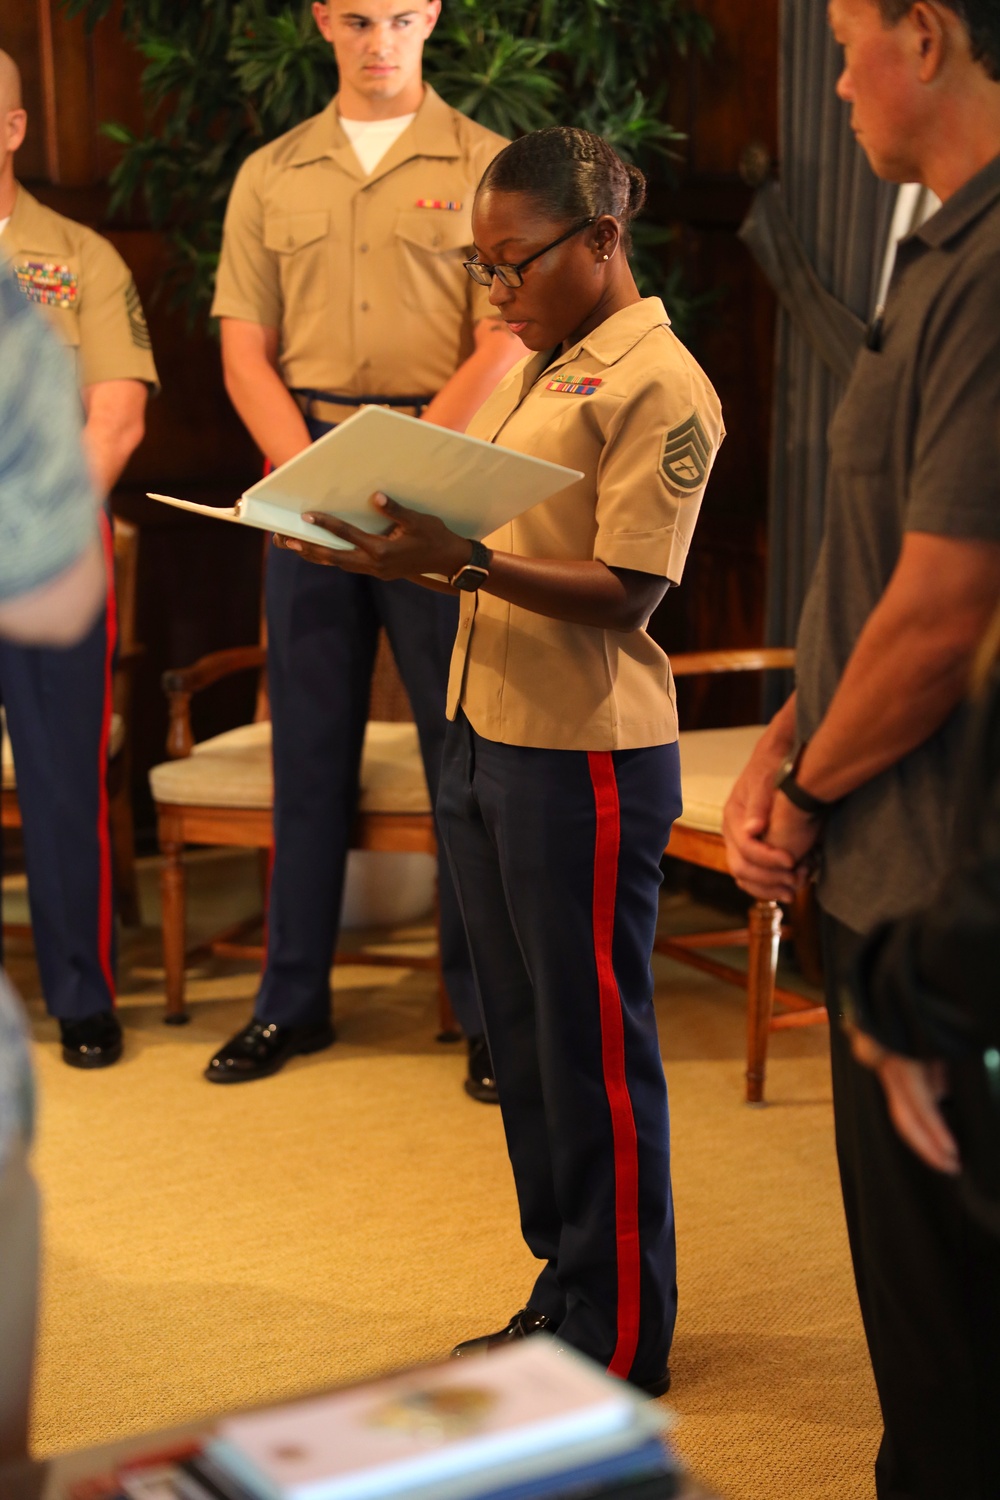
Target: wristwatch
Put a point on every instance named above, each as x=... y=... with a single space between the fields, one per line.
x=813 y=807
x=475 y=572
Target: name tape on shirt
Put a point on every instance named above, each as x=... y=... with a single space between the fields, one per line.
x=451 y=205
x=48 y=283
x=574 y=385
x=686 y=452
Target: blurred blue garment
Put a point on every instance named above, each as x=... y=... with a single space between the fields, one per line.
x=16 y=1088
x=48 y=511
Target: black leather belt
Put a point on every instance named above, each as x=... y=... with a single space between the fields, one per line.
x=416 y=404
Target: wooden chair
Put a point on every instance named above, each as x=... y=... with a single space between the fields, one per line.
x=220 y=792
x=711 y=760
x=126 y=554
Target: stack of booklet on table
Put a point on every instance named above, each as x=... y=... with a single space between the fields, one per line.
x=528 y=1423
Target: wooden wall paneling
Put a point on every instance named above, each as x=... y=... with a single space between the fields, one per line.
x=116 y=86
x=725 y=103
x=729 y=99
x=19 y=36
x=70 y=122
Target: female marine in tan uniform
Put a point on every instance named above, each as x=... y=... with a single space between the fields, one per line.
x=561 y=776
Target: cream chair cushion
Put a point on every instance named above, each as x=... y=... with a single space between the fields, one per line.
x=711 y=760
x=117 y=739
x=234 y=770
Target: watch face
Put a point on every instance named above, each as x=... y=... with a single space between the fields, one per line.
x=785 y=769
x=470 y=578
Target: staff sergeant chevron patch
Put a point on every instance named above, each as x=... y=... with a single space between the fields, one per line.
x=686 y=452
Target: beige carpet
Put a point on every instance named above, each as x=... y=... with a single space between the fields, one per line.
x=211 y=1247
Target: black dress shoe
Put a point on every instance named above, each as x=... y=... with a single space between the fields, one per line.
x=480 y=1083
x=658 y=1387
x=521 y=1326
x=94 y=1042
x=263 y=1047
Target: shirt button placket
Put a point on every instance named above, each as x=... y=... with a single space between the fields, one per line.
x=362 y=276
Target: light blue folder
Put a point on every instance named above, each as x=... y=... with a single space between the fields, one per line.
x=473 y=486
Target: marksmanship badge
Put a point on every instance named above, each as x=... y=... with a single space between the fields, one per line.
x=686 y=451
x=136 y=318
x=47 y=283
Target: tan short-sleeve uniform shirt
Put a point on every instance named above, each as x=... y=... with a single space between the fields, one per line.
x=632 y=409
x=84 y=289
x=362 y=275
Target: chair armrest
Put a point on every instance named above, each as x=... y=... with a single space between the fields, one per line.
x=750 y=659
x=213 y=668
x=180 y=684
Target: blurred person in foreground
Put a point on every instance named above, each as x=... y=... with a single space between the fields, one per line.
x=857 y=775
x=51 y=591
x=926 y=1021
x=926 y=1013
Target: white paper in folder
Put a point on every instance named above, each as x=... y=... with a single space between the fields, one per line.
x=473 y=486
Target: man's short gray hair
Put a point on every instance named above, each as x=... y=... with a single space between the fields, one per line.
x=981 y=19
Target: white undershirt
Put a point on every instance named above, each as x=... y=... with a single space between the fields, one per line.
x=371 y=139
x=4 y=223
x=914 y=205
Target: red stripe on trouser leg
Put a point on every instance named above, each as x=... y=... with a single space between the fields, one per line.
x=268 y=469
x=105 y=903
x=626 y=1158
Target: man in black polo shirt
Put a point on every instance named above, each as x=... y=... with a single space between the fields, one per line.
x=857 y=770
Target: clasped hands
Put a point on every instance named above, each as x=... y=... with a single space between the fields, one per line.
x=411 y=544
x=770 y=844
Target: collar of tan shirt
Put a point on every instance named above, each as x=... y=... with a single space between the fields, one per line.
x=432 y=133
x=32 y=226
x=607 y=344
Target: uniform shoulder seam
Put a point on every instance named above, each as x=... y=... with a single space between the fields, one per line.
x=265 y=155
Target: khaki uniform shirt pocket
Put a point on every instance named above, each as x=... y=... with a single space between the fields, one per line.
x=301 y=244
x=65 y=324
x=432 y=244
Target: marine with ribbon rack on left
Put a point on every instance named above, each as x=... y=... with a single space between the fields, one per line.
x=57 y=703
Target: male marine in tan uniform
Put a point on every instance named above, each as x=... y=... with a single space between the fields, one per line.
x=58 y=703
x=341 y=283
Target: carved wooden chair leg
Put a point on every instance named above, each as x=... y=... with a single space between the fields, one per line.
x=764 y=924
x=173 y=918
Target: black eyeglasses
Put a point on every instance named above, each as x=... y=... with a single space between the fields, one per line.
x=510 y=276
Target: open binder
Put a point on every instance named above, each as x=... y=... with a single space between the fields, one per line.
x=473 y=486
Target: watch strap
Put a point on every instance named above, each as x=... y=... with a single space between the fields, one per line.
x=785 y=782
x=476 y=571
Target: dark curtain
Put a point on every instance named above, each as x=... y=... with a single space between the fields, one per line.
x=840 y=214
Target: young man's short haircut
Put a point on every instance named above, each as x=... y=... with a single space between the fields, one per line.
x=981 y=19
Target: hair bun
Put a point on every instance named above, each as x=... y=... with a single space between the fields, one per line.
x=636 y=190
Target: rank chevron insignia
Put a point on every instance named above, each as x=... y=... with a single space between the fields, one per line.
x=686 y=451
